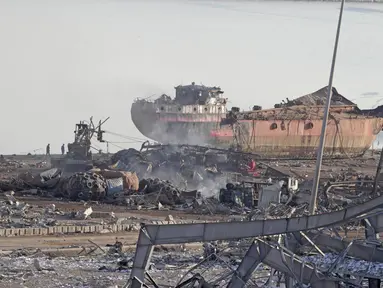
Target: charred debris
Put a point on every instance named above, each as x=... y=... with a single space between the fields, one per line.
x=184 y=177
x=190 y=178
x=267 y=233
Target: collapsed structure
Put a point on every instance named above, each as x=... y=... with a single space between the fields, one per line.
x=295 y=268
x=198 y=115
x=269 y=201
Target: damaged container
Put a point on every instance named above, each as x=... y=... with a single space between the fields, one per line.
x=114 y=185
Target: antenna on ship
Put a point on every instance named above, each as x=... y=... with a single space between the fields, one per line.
x=314 y=191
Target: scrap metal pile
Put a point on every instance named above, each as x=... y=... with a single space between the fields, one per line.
x=220 y=181
x=119 y=181
x=18 y=214
x=178 y=170
x=345 y=207
x=271 y=206
x=302 y=251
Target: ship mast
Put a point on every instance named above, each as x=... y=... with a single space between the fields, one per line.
x=314 y=191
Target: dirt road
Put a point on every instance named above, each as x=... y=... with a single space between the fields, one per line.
x=120 y=211
x=10 y=243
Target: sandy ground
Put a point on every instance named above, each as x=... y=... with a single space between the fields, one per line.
x=59 y=241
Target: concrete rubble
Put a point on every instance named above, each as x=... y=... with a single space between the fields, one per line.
x=254 y=220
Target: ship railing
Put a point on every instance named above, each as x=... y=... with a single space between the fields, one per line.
x=147 y=100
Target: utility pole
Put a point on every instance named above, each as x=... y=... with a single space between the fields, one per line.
x=314 y=191
x=378 y=170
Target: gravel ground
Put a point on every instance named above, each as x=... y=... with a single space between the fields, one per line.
x=61 y=272
x=167 y=268
x=103 y=271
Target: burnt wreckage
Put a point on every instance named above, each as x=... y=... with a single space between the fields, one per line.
x=298 y=232
x=277 y=243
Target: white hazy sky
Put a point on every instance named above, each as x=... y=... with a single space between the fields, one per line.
x=64 y=61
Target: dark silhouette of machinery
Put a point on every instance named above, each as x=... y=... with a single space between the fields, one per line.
x=79 y=156
x=80 y=149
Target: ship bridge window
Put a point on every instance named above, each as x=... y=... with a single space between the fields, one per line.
x=205 y=109
x=162 y=108
x=309 y=126
x=194 y=109
x=273 y=126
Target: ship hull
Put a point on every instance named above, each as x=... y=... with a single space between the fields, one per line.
x=345 y=137
x=173 y=128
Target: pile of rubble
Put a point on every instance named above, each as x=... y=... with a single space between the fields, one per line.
x=16 y=214
x=133 y=161
x=9 y=165
x=164 y=178
x=193 y=180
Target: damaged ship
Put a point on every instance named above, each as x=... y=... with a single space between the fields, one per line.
x=198 y=115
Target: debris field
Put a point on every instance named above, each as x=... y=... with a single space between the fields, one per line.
x=188 y=216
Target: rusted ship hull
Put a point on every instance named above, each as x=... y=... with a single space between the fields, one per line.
x=346 y=137
x=198 y=116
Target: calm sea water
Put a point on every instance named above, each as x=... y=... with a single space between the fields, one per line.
x=64 y=61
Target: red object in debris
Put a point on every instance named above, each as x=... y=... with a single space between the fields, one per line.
x=252 y=168
x=252 y=165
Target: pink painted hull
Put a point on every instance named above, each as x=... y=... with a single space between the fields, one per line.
x=345 y=137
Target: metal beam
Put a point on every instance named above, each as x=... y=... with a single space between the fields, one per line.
x=314 y=191
x=142 y=256
x=357 y=250
x=204 y=232
x=151 y=235
x=293 y=266
x=289 y=264
x=377 y=174
x=248 y=265
x=374 y=283
x=376 y=222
